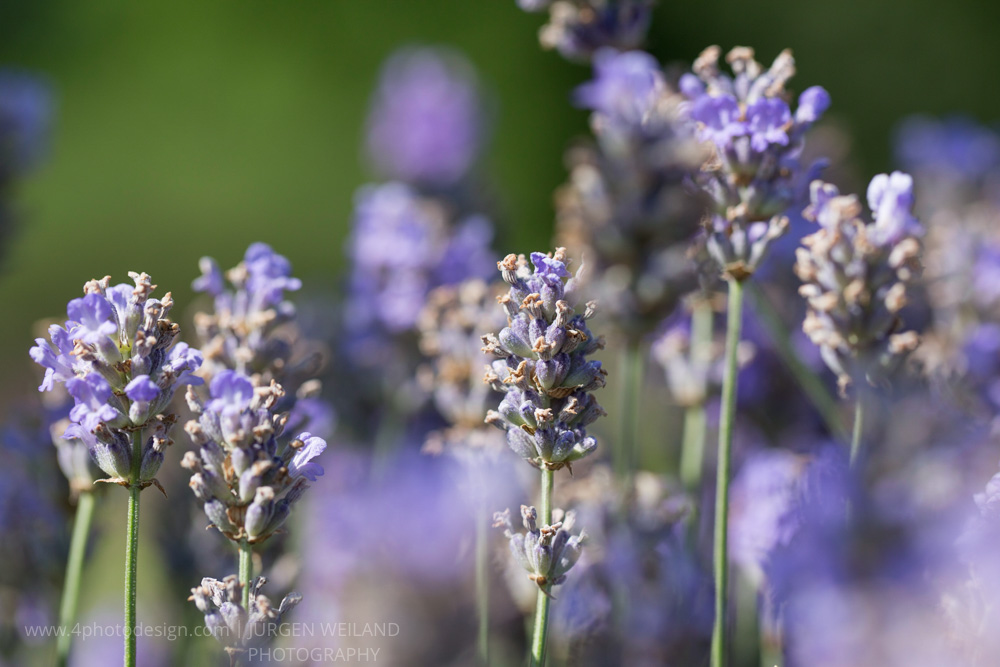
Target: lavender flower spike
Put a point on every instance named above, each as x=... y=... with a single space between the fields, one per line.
x=544 y=370
x=115 y=355
x=856 y=276
x=754 y=173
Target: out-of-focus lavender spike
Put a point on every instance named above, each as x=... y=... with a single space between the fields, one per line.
x=625 y=209
x=426 y=125
x=856 y=276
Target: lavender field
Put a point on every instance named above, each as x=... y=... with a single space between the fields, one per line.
x=528 y=332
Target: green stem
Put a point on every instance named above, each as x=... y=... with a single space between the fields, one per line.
x=74 y=567
x=726 y=419
x=811 y=384
x=131 y=571
x=626 y=453
x=132 y=550
x=695 y=423
x=483 y=582
x=542 y=606
x=246 y=571
x=859 y=427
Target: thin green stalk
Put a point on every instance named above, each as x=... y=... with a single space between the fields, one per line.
x=483 y=582
x=132 y=551
x=131 y=573
x=626 y=453
x=542 y=606
x=817 y=392
x=859 y=427
x=726 y=418
x=74 y=567
x=246 y=571
x=695 y=422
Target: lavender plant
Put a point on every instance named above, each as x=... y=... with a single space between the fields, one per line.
x=246 y=473
x=548 y=380
x=750 y=180
x=117 y=358
x=856 y=276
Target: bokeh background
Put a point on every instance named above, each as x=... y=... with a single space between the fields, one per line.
x=198 y=128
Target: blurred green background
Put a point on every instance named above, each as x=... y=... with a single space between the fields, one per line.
x=197 y=127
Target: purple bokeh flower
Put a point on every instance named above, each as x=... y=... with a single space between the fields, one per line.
x=426 y=122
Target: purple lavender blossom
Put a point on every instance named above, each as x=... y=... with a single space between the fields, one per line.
x=543 y=368
x=114 y=356
x=755 y=174
x=890 y=197
x=426 y=122
x=856 y=276
x=303 y=464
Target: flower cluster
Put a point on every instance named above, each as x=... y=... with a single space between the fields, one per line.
x=426 y=124
x=579 y=28
x=246 y=480
x=450 y=337
x=117 y=358
x=544 y=369
x=754 y=173
x=546 y=552
x=856 y=275
x=625 y=208
x=236 y=627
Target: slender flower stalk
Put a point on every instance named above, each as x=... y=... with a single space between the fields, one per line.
x=626 y=453
x=727 y=417
x=540 y=633
x=74 y=569
x=695 y=420
x=483 y=583
x=116 y=356
x=859 y=428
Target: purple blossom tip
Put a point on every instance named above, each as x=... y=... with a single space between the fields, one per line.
x=890 y=197
x=549 y=268
x=142 y=388
x=302 y=464
x=813 y=103
x=91 y=394
x=210 y=280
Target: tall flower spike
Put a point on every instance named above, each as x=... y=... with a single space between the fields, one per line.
x=426 y=124
x=245 y=475
x=626 y=210
x=753 y=175
x=117 y=359
x=856 y=276
x=543 y=369
x=579 y=28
